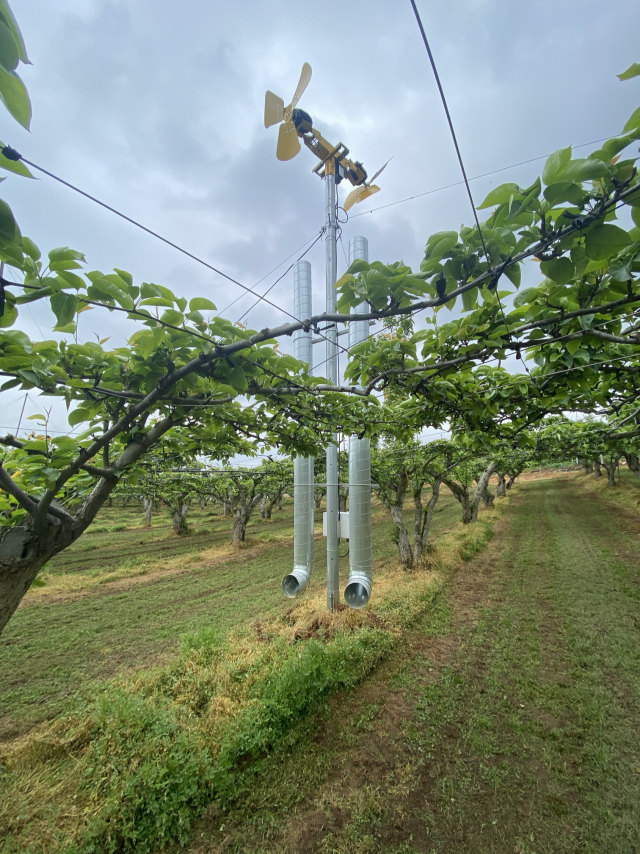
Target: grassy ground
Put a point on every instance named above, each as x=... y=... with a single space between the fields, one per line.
x=506 y=722
x=500 y=713
x=123 y=596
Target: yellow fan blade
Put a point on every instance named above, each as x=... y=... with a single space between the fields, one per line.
x=353 y=198
x=288 y=142
x=369 y=191
x=305 y=77
x=273 y=109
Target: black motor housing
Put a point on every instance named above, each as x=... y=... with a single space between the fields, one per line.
x=302 y=121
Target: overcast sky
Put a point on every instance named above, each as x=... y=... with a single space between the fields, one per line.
x=157 y=108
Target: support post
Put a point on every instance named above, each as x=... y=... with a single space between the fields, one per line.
x=333 y=553
x=358 y=589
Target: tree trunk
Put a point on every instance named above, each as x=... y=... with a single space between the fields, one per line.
x=179 y=517
x=482 y=491
x=404 y=546
x=342 y=502
x=318 y=495
x=263 y=508
x=239 y=527
x=610 y=469
x=23 y=553
x=423 y=518
x=633 y=463
x=501 y=491
x=488 y=497
x=461 y=494
x=148 y=507
x=512 y=479
x=226 y=508
x=597 y=470
x=587 y=465
x=280 y=502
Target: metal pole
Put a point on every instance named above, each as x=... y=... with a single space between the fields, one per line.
x=358 y=590
x=333 y=554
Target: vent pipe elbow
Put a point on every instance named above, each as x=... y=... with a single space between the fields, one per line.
x=303 y=518
x=358 y=590
x=303 y=485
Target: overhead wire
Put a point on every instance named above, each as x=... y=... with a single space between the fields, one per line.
x=459 y=156
x=266 y=275
x=473 y=178
x=14 y=155
x=279 y=279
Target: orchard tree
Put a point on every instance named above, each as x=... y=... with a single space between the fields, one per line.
x=277 y=477
x=398 y=468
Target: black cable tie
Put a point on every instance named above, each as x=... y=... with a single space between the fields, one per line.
x=11 y=153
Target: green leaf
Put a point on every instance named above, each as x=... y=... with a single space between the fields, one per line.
x=30 y=248
x=15 y=97
x=201 y=304
x=10 y=21
x=632 y=71
x=15 y=166
x=172 y=316
x=633 y=122
x=126 y=277
x=37 y=418
x=67 y=328
x=559 y=270
x=358 y=266
x=64 y=307
x=564 y=191
x=579 y=260
x=585 y=169
x=59 y=266
x=470 y=299
x=237 y=379
x=157 y=301
x=514 y=273
x=555 y=165
x=604 y=241
x=500 y=196
x=147 y=290
x=78 y=415
x=9 y=317
x=9 y=56
x=8 y=226
x=64 y=253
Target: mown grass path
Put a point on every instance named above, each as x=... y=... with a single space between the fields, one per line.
x=507 y=723
x=122 y=614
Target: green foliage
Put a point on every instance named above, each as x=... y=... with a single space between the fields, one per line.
x=150 y=767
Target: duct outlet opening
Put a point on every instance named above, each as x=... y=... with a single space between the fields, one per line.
x=296 y=582
x=290 y=586
x=356 y=593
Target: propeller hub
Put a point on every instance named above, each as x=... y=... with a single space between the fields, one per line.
x=302 y=121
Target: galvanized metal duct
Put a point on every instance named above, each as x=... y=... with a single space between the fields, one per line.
x=358 y=590
x=297 y=581
x=303 y=505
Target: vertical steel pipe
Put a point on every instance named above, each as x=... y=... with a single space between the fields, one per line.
x=333 y=555
x=303 y=477
x=358 y=589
